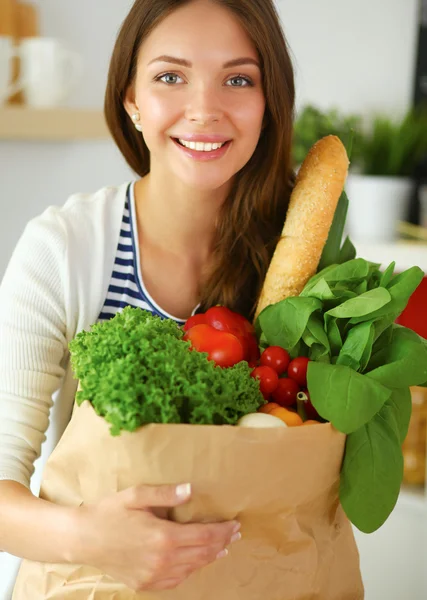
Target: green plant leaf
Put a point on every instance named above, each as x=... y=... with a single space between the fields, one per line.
x=387 y=275
x=334 y=336
x=372 y=471
x=362 y=305
x=347 y=252
x=284 y=323
x=355 y=270
x=403 y=361
x=401 y=404
x=344 y=397
x=358 y=345
x=331 y=250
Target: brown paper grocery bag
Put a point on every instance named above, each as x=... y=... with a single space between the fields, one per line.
x=281 y=484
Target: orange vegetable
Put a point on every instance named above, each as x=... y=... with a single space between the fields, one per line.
x=311 y=422
x=290 y=417
x=266 y=408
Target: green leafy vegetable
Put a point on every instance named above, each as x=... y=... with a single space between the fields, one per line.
x=136 y=369
x=362 y=366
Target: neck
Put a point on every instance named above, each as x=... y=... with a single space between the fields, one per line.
x=178 y=220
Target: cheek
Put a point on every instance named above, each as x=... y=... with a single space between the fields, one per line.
x=248 y=115
x=157 y=110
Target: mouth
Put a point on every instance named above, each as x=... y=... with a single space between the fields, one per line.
x=202 y=147
x=203 y=152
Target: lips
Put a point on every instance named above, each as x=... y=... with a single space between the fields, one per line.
x=209 y=142
x=202 y=156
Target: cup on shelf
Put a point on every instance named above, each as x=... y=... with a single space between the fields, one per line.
x=8 y=51
x=49 y=71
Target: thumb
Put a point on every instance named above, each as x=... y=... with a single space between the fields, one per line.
x=147 y=496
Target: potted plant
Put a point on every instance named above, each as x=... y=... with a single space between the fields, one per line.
x=312 y=124
x=381 y=182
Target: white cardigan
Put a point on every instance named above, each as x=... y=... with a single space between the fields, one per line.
x=54 y=287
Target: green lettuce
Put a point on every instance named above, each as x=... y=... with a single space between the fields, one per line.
x=136 y=369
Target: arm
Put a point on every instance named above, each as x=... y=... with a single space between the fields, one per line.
x=32 y=350
x=36 y=529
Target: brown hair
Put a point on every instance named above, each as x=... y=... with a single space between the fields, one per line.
x=253 y=214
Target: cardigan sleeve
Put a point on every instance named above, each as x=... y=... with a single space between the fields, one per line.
x=33 y=342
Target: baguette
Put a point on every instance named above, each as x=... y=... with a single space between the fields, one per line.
x=312 y=206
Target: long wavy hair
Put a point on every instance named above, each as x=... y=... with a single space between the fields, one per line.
x=253 y=214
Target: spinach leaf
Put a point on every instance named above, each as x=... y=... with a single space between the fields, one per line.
x=284 y=323
x=387 y=275
x=372 y=471
x=347 y=252
x=344 y=397
x=401 y=404
x=403 y=362
x=362 y=305
x=357 y=345
x=331 y=250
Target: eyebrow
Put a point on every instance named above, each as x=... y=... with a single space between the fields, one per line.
x=237 y=62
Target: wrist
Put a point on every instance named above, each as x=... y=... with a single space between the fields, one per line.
x=77 y=548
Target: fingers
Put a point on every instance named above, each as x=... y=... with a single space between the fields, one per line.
x=197 y=534
x=147 y=496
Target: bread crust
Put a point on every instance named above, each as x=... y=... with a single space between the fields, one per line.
x=312 y=206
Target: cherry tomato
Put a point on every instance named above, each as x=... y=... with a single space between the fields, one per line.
x=222 y=347
x=194 y=320
x=310 y=411
x=268 y=380
x=277 y=358
x=297 y=370
x=286 y=392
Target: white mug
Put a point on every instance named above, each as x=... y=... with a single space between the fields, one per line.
x=49 y=71
x=7 y=52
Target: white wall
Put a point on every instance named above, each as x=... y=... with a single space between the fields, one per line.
x=358 y=56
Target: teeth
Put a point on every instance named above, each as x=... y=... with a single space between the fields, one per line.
x=200 y=146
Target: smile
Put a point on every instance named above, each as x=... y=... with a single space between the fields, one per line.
x=202 y=151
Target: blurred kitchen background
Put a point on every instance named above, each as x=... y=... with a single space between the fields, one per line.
x=361 y=73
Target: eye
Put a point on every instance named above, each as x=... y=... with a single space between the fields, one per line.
x=248 y=81
x=161 y=77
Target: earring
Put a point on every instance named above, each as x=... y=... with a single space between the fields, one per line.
x=135 y=118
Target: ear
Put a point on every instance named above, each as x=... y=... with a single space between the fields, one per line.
x=130 y=101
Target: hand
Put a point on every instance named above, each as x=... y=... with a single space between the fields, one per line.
x=123 y=537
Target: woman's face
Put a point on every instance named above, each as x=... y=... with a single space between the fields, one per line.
x=199 y=96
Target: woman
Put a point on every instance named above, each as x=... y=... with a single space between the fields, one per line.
x=196 y=229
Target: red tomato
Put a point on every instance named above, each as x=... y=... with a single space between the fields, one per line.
x=286 y=392
x=194 y=320
x=222 y=347
x=224 y=319
x=253 y=350
x=268 y=380
x=277 y=358
x=297 y=370
x=310 y=411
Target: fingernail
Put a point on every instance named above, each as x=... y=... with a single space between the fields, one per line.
x=183 y=490
x=222 y=553
x=236 y=527
x=236 y=537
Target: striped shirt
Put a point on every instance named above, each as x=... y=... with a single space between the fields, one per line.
x=126 y=286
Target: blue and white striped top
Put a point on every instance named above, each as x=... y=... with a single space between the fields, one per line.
x=126 y=284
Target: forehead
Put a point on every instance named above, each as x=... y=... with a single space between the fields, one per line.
x=199 y=31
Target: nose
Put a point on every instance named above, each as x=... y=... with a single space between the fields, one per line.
x=204 y=106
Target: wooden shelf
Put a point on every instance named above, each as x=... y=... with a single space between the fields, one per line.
x=59 y=124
